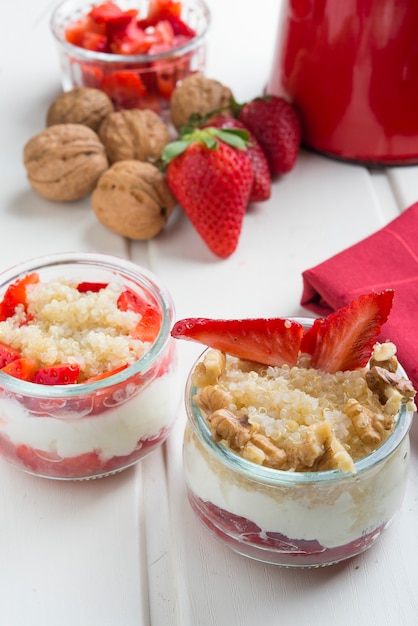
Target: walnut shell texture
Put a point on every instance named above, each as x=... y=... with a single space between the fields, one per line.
x=81 y=105
x=198 y=94
x=134 y=134
x=133 y=199
x=64 y=162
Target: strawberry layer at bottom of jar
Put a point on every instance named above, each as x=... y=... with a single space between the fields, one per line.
x=81 y=467
x=246 y=538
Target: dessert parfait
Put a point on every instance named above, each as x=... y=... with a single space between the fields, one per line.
x=296 y=447
x=88 y=378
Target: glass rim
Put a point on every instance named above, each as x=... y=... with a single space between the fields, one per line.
x=110 y=58
x=120 y=266
x=272 y=476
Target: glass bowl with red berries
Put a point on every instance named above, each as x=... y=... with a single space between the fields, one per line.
x=88 y=370
x=296 y=447
x=136 y=51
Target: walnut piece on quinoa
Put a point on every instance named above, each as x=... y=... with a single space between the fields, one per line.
x=299 y=419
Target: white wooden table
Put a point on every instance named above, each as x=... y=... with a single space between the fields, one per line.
x=127 y=550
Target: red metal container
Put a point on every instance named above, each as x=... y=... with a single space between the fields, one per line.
x=351 y=69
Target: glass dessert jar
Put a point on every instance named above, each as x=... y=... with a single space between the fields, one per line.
x=287 y=517
x=125 y=403
x=144 y=80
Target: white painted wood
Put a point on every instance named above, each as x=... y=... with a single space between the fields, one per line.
x=127 y=550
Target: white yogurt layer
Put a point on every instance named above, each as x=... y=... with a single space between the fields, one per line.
x=115 y=432
x=338 y=518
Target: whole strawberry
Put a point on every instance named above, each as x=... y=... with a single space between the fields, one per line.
x=261 y=189
x=212 y=181
x=276 y=125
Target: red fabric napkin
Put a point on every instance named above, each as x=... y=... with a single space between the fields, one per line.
x=386 y=259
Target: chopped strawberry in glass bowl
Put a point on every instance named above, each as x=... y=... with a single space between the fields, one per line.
x=88 y=370
x=296 y=448
x=136 y=52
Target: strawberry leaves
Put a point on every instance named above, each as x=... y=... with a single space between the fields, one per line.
x=209 y=137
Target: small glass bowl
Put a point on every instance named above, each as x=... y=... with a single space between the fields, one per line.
x=147 y=80
x=93 y=429
x=292 y=519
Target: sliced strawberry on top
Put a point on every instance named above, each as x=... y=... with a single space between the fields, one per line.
x=16 y=295
x=23 y=368
x=7 y=354
x=344 y=340
x=62 y=374
x=149 y=325
x=273 y=341
x=130 y=301
x=86 y=286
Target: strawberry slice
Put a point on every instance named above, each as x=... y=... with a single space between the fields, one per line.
x=86 y=286
x=131 y=301
x=7 y=354
x=149 y=325
x=124 y=88
x=63 y=374
x=23 y=368
x=272 y=341
x=16 y=295
x=110 y=14
x=344 y=340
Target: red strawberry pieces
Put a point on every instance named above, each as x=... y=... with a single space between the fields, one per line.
x=63 y=374
x=149 y=325
x=344 y=340
x=212 y=181
x=15 y=295
x=269 y=341
x=277 y=128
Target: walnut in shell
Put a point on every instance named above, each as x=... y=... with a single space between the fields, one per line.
x=133 y=199
x=198 y=94
x=64 y=162
x=134 y=134
x=81 y=105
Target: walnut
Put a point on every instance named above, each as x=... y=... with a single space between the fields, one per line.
x=64 y=162
x=369 y=426
x=383 y=382
x=234 y=431
x=133 y=199
x=82 y=105
x=384 y=355
x=134 y=134
x=211 y=398
x=208 y=371
x=198 y=94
